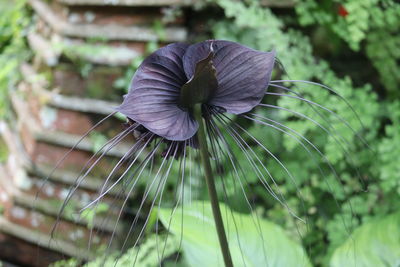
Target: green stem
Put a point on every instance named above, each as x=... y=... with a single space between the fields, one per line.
x=223 y=242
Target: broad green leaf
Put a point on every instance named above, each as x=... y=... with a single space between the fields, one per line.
x=252 y=241
x=374 y=244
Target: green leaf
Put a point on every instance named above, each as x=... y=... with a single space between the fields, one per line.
x=252 y=241
x=374 y=244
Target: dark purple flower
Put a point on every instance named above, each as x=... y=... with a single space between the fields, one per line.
x=221 y=74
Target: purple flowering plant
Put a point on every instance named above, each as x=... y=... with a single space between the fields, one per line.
x=179 y=85
x=183 y=100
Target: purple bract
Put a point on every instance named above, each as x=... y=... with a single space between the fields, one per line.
x=220 y=74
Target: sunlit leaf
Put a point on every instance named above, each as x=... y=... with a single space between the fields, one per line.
x=374 y=244
x=253 y=241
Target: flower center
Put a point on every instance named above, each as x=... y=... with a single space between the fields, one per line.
x=201 y=87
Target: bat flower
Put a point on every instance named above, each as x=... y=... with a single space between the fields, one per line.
x=221 y=75
x=162 y=105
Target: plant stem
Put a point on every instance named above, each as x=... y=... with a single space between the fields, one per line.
x=205 y=159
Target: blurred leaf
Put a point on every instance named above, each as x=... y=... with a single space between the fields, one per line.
x=253 y=242
x=14 y=21
x=374 y=244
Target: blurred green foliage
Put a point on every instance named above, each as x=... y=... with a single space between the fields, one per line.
x=368 y=176
x=3 y=151
x=13 y=27
x=374 y=244
x=369 y=25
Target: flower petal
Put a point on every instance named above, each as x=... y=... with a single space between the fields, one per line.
x=243 y=73
x=154 y=95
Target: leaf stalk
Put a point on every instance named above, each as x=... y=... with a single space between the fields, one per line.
x=205 y=160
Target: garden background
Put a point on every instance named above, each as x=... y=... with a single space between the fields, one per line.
x=351 y=46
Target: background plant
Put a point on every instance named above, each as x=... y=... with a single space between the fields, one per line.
x=376 y=106
x=13 y=28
